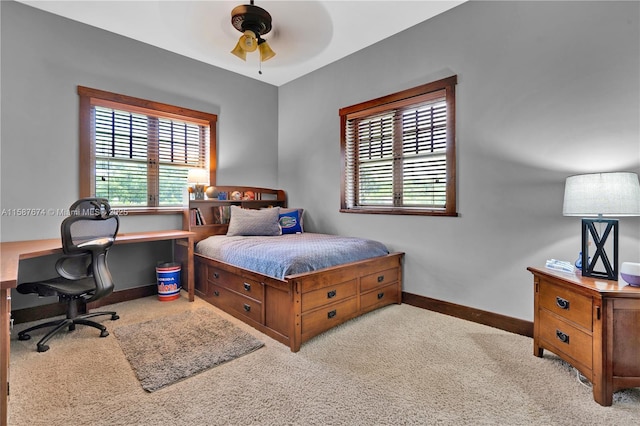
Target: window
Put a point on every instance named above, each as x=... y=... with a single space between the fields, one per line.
x=137 y=153
x=399 y=152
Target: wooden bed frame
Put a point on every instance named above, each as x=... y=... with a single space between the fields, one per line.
x=298 y=307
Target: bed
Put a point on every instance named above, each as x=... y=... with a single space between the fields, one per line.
x=279 y=284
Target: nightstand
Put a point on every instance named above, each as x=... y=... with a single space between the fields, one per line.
x=593 y=324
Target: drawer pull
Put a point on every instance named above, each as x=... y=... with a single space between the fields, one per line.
x=247 y=307
x=380 y=295
x=331 y=294
x=380 y=278
x=247 y=286
x=216 y=293
x=216 y=275
x=564 y=338
x=331 y=314
x=562 y=303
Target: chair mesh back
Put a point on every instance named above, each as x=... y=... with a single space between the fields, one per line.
x=86 y=228
x=91 y=219
x=91 y=207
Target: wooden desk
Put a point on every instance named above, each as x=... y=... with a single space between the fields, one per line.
x=593 y=324
x=11 y=253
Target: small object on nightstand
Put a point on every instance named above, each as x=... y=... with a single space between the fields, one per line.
x=579 y=261
x=630 y=272
x=559 y=265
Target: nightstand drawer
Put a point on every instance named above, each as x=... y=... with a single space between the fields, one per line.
x=324 y=296
x=572 y=306
x=567 y=339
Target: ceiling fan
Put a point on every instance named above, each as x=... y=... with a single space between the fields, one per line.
x=253 y=22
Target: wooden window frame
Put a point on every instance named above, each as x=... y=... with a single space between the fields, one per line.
x=90 y=97
x=387 y=103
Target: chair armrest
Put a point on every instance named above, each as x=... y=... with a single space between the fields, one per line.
x=98 y=243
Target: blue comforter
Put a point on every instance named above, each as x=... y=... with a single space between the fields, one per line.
x=290 y=253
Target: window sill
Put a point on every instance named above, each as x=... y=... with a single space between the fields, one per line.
x=408 y=212
x=141 y=211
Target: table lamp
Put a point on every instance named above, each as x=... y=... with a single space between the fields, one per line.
x=199 y=178
x=598 y=195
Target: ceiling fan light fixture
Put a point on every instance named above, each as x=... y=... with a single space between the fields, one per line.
x=253 y=22
x=239 y=51
x=248 y=41
x=265 y=50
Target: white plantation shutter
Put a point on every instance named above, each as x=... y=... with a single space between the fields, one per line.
x=398 y=152
x=121 y=156
x=143 y=160
x=424 y=147
x=374 y=145
x=181 y=146
x=137 y=153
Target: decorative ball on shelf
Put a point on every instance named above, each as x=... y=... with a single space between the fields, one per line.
x=630 y=272
x=211 y=192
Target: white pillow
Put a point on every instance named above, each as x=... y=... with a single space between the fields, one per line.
x=254 y=222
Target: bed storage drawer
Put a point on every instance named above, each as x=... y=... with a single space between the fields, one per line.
x=382 y=278
x=322 y=319
x=244 y=306
x=298 y=307
x=241 y=285
x=379 y=297
x=324 y=296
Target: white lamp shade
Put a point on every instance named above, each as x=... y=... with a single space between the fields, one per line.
x=606 y=194
x=198 y=176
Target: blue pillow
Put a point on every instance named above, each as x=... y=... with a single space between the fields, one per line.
x=290 y=222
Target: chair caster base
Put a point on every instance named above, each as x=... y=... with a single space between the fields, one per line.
x=23 y=337
x=104 y=333
x=114 y=317
x=43 y=348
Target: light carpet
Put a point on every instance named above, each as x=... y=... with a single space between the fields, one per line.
x=399 y=365
x=165 y=350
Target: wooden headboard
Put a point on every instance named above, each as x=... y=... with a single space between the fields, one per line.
x=207 y=217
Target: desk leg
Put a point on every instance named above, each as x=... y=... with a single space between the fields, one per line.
x=184 y=254
x=5 y=315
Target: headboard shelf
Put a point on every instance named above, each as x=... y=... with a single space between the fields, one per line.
x=211 y=215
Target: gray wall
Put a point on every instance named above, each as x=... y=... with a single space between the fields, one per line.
x=44 y=58
x=545 y=90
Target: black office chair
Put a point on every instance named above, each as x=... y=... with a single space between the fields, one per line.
x=87 y=235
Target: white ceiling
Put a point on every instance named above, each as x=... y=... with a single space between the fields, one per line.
x=306 y=34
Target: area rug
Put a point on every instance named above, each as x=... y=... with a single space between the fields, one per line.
x=166 y=350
